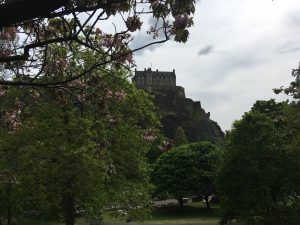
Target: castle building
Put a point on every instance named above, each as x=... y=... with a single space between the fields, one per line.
x=157 y=81
x=175 y=109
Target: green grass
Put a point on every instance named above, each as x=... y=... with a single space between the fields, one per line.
x=34 y=222
x=193 y=213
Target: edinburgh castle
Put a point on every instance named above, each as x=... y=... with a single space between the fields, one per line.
x=177 y=110
x=157 y=80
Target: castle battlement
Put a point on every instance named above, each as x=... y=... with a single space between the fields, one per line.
x=148 y=79
x=157 y=81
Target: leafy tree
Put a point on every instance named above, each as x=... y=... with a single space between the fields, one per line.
x=208 y=158
x=187 y=170
x=75 y=138
x=29 y=29
x=255 y=180
x=180 y=137
x=175 y=173
x=292 y=111
x=294 y=88
x=291 y=118
x=73 y=155
x=272 y=109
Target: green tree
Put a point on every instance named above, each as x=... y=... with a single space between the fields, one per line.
x=255 y=181
x=207 y=158
x=291 y=118
x=187 y=170
x=272 y=109
x=180 y=137
x=74 y=155
x=175 y=174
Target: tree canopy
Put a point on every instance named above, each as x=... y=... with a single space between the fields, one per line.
x=30 y=29
x=180 y=137
x=187 y=170
x=61 y=156
x=257 y=181
x=259 y=177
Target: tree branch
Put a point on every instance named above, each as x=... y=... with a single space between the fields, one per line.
x=27 y=48
x=94 y=66
x=20 y=11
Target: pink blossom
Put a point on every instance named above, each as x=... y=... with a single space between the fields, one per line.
x=133 y=23
x=181 y=21
x=109 y=94
x=165 y=146
x=107 y=41
x=5 y=53
x=8 y=34
x=123 y=56
x=148 y=137
x=13 y=119
x=120 y=95
x=162 y=148
x=2 y=92
x=56 y=66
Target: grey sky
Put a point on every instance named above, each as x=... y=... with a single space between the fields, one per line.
x=238 y=51
x=206 y=50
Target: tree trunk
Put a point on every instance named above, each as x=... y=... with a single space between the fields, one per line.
x=207 y=202
x=8 y=193
x=69 y=210
x=180 y=201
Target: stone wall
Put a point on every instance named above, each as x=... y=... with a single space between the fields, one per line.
x=149 y=79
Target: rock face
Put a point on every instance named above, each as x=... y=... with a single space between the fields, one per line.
x=177 y=110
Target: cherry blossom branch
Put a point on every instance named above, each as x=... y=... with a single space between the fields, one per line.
x=94 y=66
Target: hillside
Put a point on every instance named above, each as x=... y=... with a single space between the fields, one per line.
x=177 y=110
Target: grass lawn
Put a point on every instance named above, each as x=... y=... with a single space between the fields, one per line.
x=193 y=213
x=78 y=222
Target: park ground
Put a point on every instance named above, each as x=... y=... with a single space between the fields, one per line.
x=194 y=213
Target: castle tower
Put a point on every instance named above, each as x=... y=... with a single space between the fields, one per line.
x=151 y=80
x=157 y=80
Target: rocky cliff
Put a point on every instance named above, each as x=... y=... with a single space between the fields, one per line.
x=177 y=110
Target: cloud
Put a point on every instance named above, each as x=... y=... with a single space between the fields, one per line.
x=251 y=48
x=206 y=50
x=293 y=18
x=288 y=49
x=143 y=38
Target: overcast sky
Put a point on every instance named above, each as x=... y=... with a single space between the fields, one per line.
x=238 y=51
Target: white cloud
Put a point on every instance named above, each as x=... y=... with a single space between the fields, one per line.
x=255 y=45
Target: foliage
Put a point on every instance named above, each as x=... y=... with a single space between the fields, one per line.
x=186 y=170
x=256 y=182
x=70 y=159
x=28 y=35
x=160 y=145
x=294 y=88
x=273 y=110
x=175 y=173
x=180 y=137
